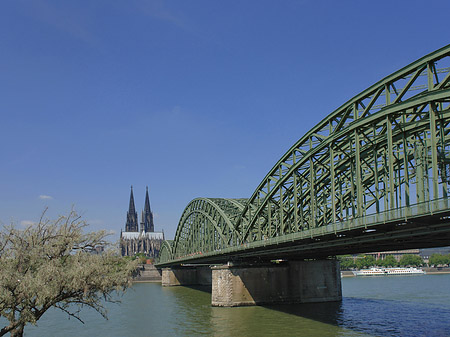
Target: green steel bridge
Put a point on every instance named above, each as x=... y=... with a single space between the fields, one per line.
x=373 y=175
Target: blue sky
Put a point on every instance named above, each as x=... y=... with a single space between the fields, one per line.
x=191 y=98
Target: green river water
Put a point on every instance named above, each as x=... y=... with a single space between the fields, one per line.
x=372 y=306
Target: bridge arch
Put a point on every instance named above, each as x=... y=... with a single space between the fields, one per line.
x=165 y=254
x=207 y=225
x=385 y=148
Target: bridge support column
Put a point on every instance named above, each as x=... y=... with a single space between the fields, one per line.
x=184 y=276
x=293 y=282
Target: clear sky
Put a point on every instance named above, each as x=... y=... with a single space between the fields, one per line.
x=190 y=98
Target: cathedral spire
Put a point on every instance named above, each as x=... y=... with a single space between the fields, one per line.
x=131 y=209
x=147 y=202
x=132 y=220
x=147 y=224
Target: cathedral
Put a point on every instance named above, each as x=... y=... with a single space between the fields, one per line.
x=145 y=240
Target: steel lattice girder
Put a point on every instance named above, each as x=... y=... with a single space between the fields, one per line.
x=387 y=148
x=207 y=225
x=329 y=162
x=336 y=155
x=165 y=254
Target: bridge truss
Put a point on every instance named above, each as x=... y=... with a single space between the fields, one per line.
x=382 y=157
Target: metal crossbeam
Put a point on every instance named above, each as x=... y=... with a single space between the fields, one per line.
x=386 y=149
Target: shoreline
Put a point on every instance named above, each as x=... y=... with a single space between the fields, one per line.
x=147 y=273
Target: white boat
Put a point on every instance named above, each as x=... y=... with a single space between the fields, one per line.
x=388 y=271
x=369 y=272
x=403 y=271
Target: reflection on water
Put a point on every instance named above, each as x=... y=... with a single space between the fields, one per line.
x=385 y=306
x=270 y=321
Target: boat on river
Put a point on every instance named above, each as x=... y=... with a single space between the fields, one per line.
x=388 y=271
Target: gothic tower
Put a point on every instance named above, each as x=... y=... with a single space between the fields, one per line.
x=146 y=241
x=132 y=220
x=147 y=216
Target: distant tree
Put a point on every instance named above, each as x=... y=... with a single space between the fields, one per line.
x=435 y=259
x=411 y=260
x=439 y=259
x=141 y=258
x=365 y=261
x=389 y=261
x=346 y=262
x=53 y=264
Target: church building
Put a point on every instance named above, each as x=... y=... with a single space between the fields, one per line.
x=144 y=240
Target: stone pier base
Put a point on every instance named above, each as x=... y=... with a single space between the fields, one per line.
x=294 y=282
x=184 y=276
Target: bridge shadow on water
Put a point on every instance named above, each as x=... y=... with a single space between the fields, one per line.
x=328 y=313
x=378 y=317
x=203 y=288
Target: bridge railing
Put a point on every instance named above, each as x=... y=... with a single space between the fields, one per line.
x=429 y=207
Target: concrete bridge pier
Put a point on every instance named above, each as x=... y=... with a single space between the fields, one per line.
x=292 y=282
x=186 y=275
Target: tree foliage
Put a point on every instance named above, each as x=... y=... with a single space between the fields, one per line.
x=389 y=261
x=439 y=260
x=53 y=264
x=365 y=261
x=140 y=257
x=346 y=262
x=410 y=260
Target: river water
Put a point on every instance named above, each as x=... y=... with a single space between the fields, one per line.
x=372 y=306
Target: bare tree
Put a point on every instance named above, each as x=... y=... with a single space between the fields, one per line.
x=53 y=264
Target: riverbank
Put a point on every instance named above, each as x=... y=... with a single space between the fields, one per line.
x=439 y=270
x=147 y=273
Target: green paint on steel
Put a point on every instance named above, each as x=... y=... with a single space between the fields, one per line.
x=386 y=149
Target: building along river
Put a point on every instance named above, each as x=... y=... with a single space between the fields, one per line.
x=372 y=306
